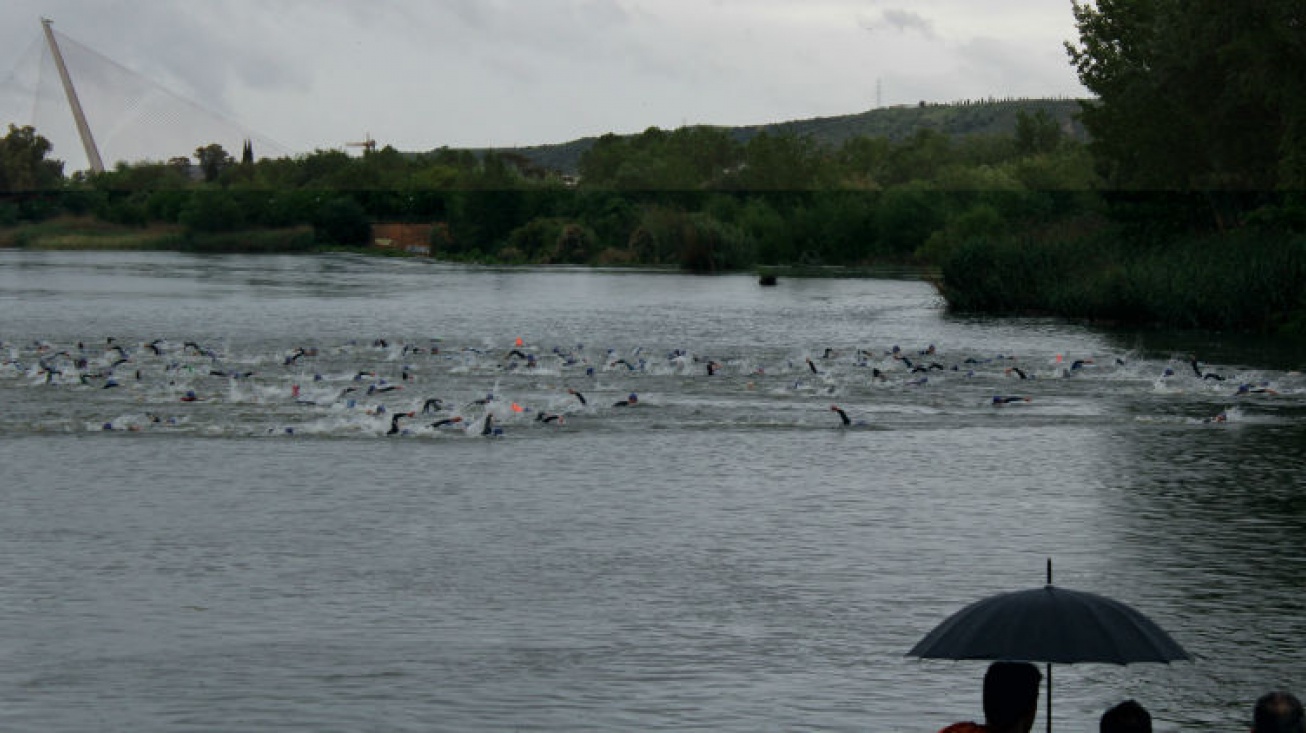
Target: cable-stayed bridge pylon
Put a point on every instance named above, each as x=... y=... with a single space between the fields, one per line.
x=123 y=116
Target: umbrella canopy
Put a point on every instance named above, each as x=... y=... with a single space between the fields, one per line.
x=1050 y=624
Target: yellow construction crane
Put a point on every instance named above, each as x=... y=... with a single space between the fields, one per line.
x=368 y=144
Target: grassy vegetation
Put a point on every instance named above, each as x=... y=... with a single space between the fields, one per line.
x=1243 y=280
x=88 y=233
x=263 y=241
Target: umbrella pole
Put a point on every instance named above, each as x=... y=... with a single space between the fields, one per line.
x=1049 y=663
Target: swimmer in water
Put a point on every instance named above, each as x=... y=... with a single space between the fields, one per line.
x=550 y=418
x=577 y=395
x=394 y=421
x=447 y=421
x=1262 y=388
x=50 y=372
x=812 y=366
x=1198 y=371
x=201 y=350
x=712 y=368
x=1220 y=417
x=488 y=428
x=435 y=404
x=1019 y=372
x=1007 y=400
x=631 y=400
x=190 y=396
x=843 y=416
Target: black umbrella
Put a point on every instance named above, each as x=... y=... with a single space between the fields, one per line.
x=1049 y=624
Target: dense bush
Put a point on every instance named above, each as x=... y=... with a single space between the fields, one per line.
x=1239 y=281
x=342 y=221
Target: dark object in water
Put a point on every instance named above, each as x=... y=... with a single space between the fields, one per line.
x=766 y=280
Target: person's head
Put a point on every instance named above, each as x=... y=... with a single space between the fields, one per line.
x=1127 y=717
x=1011 y=696
x=1278 y=712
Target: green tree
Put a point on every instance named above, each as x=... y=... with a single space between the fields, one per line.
x=1195 y=95
x=489 y=206
x=864 y=161
x=703 y=154
x=688 y=159
x=212 y=210
x=1037 y=133
x=906 y=217
x=919 y=157
x=781 y=162
x=213 y=159
x=771 y=230
x=599 y=164
x=23 y=163
x=342 y=220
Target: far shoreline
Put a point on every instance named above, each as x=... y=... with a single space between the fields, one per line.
x=87 y=234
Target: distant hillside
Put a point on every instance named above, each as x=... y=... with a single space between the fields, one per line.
x=981 y=117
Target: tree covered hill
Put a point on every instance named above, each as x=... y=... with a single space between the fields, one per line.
x=960 y=119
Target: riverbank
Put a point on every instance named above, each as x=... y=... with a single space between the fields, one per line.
x=89 y=233
x=71 y=233
x=1094 y=272
x=1242 y=280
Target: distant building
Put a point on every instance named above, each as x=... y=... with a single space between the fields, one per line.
x=410 y=238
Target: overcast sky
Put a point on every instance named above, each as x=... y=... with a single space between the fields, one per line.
x=420 y=74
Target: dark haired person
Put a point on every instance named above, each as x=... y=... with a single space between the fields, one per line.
x=1278 y=712
x=1127 y=717
x=1010 y=700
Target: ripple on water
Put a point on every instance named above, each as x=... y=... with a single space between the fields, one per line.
x=724 y=556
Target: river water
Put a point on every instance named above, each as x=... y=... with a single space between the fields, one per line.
x=723 y=555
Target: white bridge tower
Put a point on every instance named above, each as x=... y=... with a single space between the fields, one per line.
x=83 y=129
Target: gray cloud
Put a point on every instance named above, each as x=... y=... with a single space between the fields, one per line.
x=906 y=21
x=423 y=73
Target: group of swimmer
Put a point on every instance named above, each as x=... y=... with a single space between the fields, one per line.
x=183 y=371
x=186 y=371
